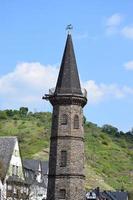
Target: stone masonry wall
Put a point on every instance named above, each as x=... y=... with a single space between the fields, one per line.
x=66 y=138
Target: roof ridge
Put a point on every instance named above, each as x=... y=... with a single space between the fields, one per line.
x=8 y=136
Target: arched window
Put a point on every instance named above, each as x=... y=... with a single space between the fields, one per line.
x=64 y=119
x=76 y=122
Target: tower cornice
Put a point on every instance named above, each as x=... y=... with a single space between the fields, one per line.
x=66 y=99
x=67 y=137
x=70 y=175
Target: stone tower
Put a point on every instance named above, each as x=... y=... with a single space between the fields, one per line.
x=66 y=159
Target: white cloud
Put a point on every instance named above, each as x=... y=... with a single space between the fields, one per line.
x=29 y=81
x=94 y=92
x=127 y=32
x=113 y=26
x=26 y=84
x=129 y=65
x=128 y=90
x=101 y=92
x=112 y=23
x=114 y=20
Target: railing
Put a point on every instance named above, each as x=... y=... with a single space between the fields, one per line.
x=51 y=91
x=84 y=92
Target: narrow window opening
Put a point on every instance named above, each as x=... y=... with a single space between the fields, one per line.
x=62 y=194
x=63 y=162
x=76 y=122
x=64 y=119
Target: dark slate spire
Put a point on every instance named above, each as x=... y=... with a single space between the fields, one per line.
x=68 y=79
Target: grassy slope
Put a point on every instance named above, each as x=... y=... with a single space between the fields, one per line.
x=110 y=156
x=109 y=159
x=33 y=132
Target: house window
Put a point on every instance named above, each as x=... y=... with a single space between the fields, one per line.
x=76 y=122
x=9 y=187
x=26 y=174
x=17 y=170
x=27 y=192
x=40 y=195
x=14 y=190
x=16 y=153
x=13 y=170
x=62 y=194
x=63 y=162
x=64 y=119
x=24 y=189
x=21 y=190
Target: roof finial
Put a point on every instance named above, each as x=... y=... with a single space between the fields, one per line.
x=69 y=28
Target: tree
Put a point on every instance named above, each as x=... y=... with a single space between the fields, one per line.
x=9 y=113
x=23 y=111
x=110 y=129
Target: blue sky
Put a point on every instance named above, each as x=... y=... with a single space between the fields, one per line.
x=32 y=39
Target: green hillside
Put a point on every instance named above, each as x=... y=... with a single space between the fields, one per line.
x=108 y=152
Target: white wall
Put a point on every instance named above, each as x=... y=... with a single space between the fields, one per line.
x=16 y=160
x=3 y=190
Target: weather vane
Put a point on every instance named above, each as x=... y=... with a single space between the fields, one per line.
x=69 y=28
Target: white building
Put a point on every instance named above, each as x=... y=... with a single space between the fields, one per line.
x=12 y=179
x=36 y=173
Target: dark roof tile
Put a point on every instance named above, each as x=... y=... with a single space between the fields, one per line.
x=34 y=165
x=68 y=79
x=6 y=150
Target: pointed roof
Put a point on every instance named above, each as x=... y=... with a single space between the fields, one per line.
x=68 y=79
x=6 y=150
x=31 y=167
x=34 y=165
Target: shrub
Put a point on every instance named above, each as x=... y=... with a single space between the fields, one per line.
x=110 y=129
x=130 y=195
x=15 y=117
x=105 y=142
x=3 y=115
